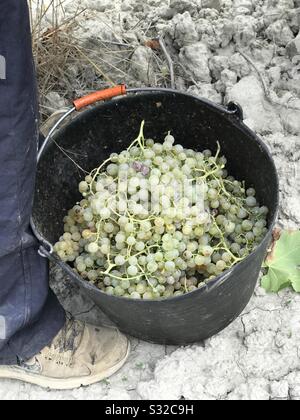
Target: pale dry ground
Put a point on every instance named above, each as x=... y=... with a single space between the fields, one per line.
x=241 y=50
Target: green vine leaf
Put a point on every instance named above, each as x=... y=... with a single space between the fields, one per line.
x=283 y=263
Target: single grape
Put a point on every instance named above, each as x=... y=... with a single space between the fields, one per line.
x=105 y=213
x=83 y=186
x=81 y=267
x=132 y=270
x=119 y=260
x=131 y=241
x=125 y=284
x=93 y=247
x=141 y=288
x=242 y=213
x=251 y=201
x=226 y=257
x=251 y=192
x=147 y=295
x=152 y=267
x=199 y=260
x=132 y=260
x=108 y=227
x=110 y=290
x=119 y=291
x=170 y=266
x=221 y=265
x=247 y=225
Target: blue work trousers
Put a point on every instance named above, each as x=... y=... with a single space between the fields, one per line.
x=30 y=315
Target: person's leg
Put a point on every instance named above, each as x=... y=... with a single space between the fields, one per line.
x=30 y=315
x=37 y=344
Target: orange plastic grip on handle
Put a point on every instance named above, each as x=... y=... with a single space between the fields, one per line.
x=101 y=95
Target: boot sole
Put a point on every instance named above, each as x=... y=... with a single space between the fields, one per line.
x=61 y=384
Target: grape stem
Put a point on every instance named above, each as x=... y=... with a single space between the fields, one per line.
x=140 y=139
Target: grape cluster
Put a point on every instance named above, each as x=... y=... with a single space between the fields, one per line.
x=159 y=220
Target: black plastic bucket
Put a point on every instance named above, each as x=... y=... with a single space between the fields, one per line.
x=197 y=124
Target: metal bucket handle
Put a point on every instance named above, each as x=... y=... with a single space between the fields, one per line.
x=46 y=249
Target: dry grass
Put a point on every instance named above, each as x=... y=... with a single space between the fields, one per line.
x=66 y=66
x=62 y=65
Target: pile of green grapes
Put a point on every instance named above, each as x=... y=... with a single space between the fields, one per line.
x=159 y=220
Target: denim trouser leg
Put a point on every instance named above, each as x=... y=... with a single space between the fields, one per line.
x=30 y=315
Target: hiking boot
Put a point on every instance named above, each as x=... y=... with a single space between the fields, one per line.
x=80 y=355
